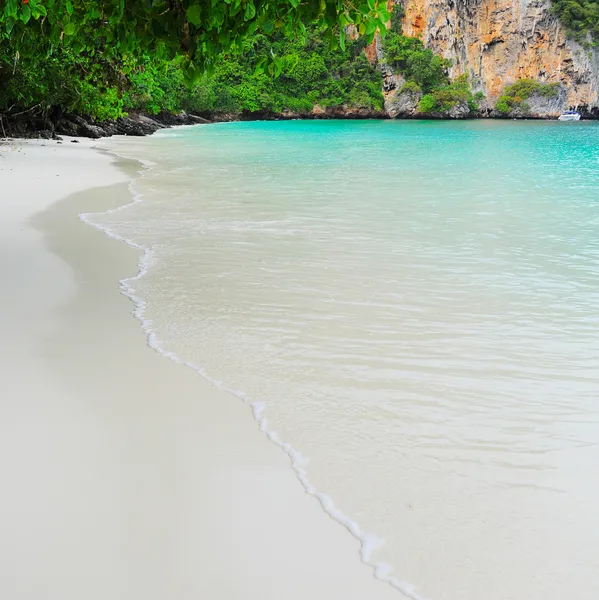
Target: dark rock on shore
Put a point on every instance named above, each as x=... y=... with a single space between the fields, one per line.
x=403 y=104
x=56 y=124
x=134 y=125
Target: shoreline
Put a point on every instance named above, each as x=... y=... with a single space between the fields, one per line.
x=367 y=542
x=143 y=125
x=141 y=479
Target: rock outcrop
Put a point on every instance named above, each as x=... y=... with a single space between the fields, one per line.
x=55 y=125
x=403 y=104
x=497 y=42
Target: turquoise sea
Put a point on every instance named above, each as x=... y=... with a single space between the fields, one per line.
x=412 y=310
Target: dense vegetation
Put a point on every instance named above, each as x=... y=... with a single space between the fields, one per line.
x=199 y=30
x=61 y=81
x=100 y=58
x=581 y=17
x=447 y=96
x=514 y=97
x=311 y=74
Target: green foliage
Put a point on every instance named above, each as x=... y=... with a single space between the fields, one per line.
x=311 y=74
x=415 y=62
x=410 y=86
x=513 y=98
x=200 y=30
x=155 y=87
x=397 y=14
x=73 y=83
x=103 y=106
x=581 y=17
x=505 y=108
x=446 y=97
x=101 y=58
x=427 y=104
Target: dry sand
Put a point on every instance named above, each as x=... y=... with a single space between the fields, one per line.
x=124 y=474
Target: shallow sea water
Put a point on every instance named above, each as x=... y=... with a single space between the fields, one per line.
x=413 y=308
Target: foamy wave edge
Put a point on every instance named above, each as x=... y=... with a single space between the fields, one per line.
x=368 y=542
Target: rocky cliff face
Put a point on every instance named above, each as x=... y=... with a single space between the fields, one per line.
x=498 y=42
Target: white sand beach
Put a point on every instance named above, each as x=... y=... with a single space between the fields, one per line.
x=125 y=475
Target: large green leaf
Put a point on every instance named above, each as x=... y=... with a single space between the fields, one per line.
x=194 y=15
x=25 y=14
x=250 y=10
x=10 y=9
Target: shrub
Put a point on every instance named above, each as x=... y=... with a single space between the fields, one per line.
x=397 y=14
x=446 y=97
x=427 y=104
x=104 y=106
x=410 y=86
x=514 y=96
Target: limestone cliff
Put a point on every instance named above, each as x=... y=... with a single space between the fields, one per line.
x=500 y=41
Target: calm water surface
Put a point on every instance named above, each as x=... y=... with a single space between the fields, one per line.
x=416 y=304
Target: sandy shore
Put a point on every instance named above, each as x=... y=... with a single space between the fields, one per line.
x=125 y=475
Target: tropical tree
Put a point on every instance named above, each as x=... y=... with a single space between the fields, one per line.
x=199 y=30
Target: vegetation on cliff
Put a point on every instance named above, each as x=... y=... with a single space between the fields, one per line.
x=513 y=99
x=416 y=63
x=422 y=70
x=581 y=17
x=445 y=98
x=425 y=73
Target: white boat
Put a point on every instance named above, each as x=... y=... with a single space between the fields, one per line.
x=569 y=115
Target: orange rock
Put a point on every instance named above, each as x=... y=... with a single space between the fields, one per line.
x=499 y=41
